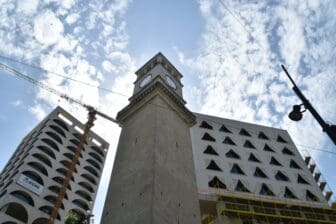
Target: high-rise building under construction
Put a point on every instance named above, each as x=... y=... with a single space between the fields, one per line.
x=176 y=166
x=32 y=179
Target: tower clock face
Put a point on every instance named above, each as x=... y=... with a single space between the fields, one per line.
x=170 y=82
x=145 y=80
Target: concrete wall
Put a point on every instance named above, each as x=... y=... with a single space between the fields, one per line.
x=153 y=177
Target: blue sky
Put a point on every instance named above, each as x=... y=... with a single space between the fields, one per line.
x=229 y=52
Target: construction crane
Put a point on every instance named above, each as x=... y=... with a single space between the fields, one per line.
x=92 y=112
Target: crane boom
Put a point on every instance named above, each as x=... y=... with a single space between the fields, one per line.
x=92 y=112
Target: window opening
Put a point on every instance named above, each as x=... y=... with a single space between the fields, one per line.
x=294 y=165
x=241 y=187
x=281 y=176
x=287 y=151
x=248 y=144
x=228 y=141
x=267 y=148
x=244 y=132
x=232 y=154
x=213 y=166
x=289 y=194
x=252 y=158
x=264 y=190
x=301 y=180
x=224 y=129
x=259 y=173
x=204 y=124
x=275 y=162
x=208 y=137
x=280 y=139
x=262 y=136
x=210 y=150
x=237 y=170
x=216 y=183
x=310 y=196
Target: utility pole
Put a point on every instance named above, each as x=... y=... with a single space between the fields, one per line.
x=296 y=114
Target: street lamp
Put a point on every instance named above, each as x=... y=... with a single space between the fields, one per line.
x=296 y=113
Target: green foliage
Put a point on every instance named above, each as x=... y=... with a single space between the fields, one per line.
x=75 y=218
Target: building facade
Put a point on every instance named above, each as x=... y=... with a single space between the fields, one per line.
x=31 y=180
x=175 y=166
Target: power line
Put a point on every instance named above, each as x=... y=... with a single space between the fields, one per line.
x=234 y=127
x=63 y=76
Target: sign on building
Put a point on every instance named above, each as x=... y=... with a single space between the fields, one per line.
x=30 y=184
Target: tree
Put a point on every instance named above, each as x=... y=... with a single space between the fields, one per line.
x=75 y=218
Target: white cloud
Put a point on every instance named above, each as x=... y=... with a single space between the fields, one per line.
x=72 y=18
x=27 y=6
x=48 y=29
x=38 y=111
x=16 y=103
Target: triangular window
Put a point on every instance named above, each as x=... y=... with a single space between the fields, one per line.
x=275 y=162
x=205 y=125
x=287 y=151
x=208 y=137
x=259 y=173
x=237 y=170
x=210 y=150
x=240 y=187
x=232 y=154
x=244 y=132
x=213 y=166
x=294 y=165
x=289 y=194
x=281 y=176
x=224 y=129
x=252 y=158
x=248 y=144
x=310 y=196
x=267 y=148
x=280 y=139
x=264 y=190
x=228 y=141
x=216 y=183
x=262 y=136
x=301 y=180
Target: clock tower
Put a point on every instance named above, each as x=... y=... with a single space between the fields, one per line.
x=153 y=178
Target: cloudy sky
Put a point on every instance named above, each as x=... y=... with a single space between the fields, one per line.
x=229 y=52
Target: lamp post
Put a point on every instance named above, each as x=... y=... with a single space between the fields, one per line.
x=296 y=114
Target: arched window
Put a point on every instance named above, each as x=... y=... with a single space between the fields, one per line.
x=56 y=190
x=15 y=210
x=81 y=204
x=39 y=167
x=47 y=210
x=91 y=170
x=52 y=200
x=47 y=151
x=89 y=178
x=93 y=163
x=86 y=186
x=58 y=130
x=64 y=171
x=60 y=180
x=69 y=155
x=43 y=159
x=96 y=156
x=72 y=149
x=75 y=142
x=23 y=196
x=97 y=150
x=84 y=195
x=40 y=221
x=62 y=124
x=55 y=137
x=50 y=143
x=34 y=176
